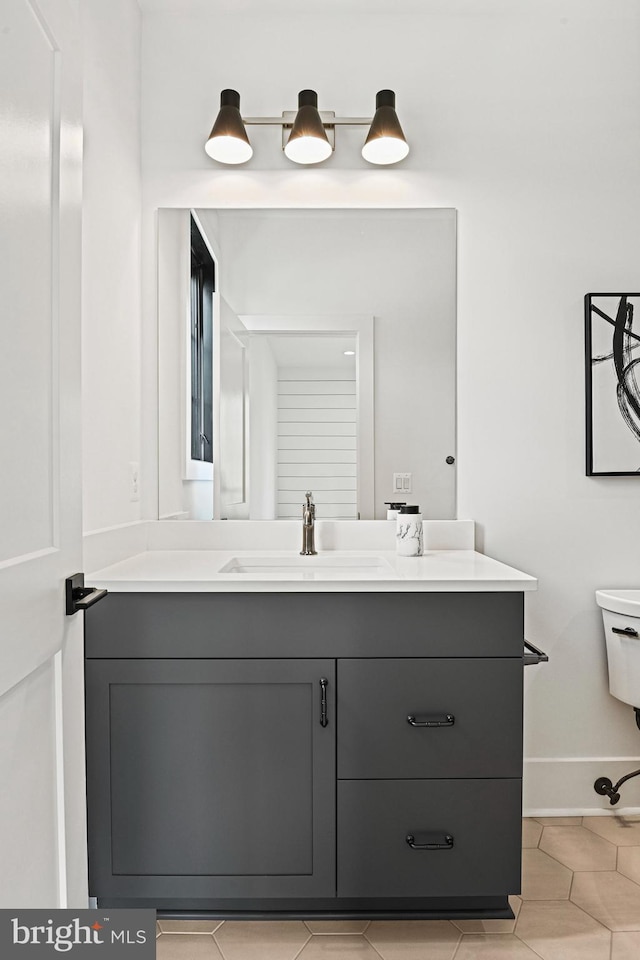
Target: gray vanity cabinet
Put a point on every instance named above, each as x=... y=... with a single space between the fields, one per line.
x=211 y=778
x=429 y=767
x=293 y=755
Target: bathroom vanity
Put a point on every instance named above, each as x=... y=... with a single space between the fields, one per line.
x=306 y=744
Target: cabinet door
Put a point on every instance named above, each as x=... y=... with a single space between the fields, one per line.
x=210 y=778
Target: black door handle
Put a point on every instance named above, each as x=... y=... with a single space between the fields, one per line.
x=446 y=720
x=430 y=841
x=77 y=596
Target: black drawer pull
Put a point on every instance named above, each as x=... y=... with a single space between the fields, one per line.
x=324 y=720
x=447 y=720
x=430 y=841
x=626 y=631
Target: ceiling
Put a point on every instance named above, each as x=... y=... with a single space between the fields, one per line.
x=310 y=351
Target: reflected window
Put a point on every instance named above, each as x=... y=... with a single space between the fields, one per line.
x=202 y=289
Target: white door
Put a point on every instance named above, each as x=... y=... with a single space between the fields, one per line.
x=42 y=860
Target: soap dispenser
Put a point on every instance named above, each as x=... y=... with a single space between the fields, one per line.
x=393 y=508
x=409 y=541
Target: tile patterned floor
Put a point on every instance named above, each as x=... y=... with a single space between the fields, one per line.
x=580 y=900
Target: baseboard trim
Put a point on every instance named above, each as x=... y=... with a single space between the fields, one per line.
x=584 y=812
x=563 y=787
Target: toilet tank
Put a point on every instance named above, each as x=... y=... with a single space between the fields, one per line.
x=622 y=635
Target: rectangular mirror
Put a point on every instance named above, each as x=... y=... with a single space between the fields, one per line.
x=306 y=349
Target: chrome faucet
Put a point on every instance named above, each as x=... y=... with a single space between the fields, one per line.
x=308 y=526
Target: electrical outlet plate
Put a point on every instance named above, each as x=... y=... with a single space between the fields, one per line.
x=402 y=483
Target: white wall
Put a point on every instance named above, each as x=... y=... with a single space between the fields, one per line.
x=263 y=430
x=523 y=116
x=231 y=444
x=173 y=294
x=111 y=260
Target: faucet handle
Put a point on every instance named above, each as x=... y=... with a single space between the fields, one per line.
x=309 y=496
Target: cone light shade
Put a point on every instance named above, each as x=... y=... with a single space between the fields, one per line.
x=385 y=141
x=228 y=141
x=308 y=142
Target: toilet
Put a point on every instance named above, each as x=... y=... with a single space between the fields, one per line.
x=621 y=616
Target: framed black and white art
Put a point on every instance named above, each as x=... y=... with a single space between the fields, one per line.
x=612 y=378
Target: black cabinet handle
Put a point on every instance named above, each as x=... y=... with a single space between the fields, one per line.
x=430 y=841
x=626 y=631
x=447 y=720
x=323 y=702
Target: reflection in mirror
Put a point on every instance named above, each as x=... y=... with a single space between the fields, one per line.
x=319 y=318
x=201 y=360
x=314 y=425
x=310 y=416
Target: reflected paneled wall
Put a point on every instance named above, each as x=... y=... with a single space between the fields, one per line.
x=317 y=438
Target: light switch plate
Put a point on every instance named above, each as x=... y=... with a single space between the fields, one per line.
x=402 y=483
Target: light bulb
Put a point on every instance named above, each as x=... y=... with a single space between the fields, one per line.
x=227 y=149
x=385 y=150
x=307 y=150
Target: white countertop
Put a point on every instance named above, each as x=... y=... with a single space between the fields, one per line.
x=360 y=571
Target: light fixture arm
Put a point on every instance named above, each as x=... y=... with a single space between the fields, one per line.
x=288 y=116
x=328 y=117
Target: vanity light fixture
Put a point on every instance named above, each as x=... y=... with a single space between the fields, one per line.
x=308 y=141
x=308 y=134
x=228 y=141
x=349 y=353
x=385 y=141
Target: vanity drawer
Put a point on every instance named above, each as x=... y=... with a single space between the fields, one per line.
x=202 y=625
x=481 y=818
x=477 y=702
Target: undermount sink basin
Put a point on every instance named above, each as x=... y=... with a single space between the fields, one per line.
x=625 y=602
x=323 y=566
